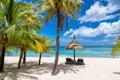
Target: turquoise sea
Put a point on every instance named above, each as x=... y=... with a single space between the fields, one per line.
x=89 y=51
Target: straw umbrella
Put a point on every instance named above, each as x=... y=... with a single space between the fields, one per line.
x=74 y=45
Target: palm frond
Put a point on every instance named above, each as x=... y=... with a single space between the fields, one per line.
x=116 y=47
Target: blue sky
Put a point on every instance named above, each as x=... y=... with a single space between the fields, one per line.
x=97 y=24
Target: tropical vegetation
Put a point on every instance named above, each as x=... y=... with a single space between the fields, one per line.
x=20 y=22
x=116 y=47
x=62 y=9
x=45 y=46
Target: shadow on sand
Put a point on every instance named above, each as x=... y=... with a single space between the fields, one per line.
x=118 y=72
x=67 y=68
x=31 y=68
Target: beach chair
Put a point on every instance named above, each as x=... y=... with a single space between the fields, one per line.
x=69 y=61
x=80 y=62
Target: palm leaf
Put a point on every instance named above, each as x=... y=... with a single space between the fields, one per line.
x=116 y=47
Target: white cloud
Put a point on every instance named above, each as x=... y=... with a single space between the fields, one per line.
x=112 y=35
x=116 y=2
x=85 y=32
x=68 y=32
x=104 y=28
x=99 y=12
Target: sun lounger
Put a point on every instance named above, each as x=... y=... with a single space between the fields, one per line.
x=69 y=61
x=80 y=62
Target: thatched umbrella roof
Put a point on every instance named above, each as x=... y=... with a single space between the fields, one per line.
x=74 y=45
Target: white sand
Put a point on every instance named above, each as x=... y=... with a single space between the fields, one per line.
x=94 y=69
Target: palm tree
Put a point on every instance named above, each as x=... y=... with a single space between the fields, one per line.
x=32 y=20
x=8 y=8
x=26 y=38
x=21 y=37
x=14 y=15
x=60 y=8
x=116 y=47
x=44 y=45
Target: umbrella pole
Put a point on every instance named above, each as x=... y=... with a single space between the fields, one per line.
x=74 y=55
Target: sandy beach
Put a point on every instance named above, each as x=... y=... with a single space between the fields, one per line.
x=94 y=69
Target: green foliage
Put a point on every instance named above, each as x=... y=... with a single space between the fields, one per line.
x=116 y=47
x=66 y=7
x=42 y=45
x=20 y=21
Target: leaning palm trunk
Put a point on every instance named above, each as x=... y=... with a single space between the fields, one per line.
x=24 y=58
x=21 y=54
x=40 y=58
x=20 y=60
x=57 y=41
x=5 y=40
x=2 y=59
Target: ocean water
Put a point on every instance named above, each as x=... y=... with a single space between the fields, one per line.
x=88 y=51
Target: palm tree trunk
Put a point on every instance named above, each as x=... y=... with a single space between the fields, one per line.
x=5 y=41
x=24 y=58
x=40 y=58
x=2 y=59
x=20 y=60
x=21 y=54
x=57 y=42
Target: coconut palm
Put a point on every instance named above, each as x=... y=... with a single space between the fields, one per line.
x=14 y=15
x=116 y=47
x=46 y=48
x=62 y=9
x=32 y=20
x=23 y=41
x=7 y=9
x=44 y=45
x=21 y=37
x=24 y=47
